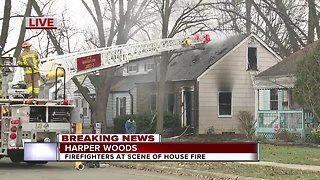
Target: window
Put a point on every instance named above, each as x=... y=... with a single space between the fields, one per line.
x=225 y=104
x=84 y=107
x=120 y=106
x=170 y=103
x=149 y=66
x=132 y=68
x=273 y=99
x=252 y=58
x=153 y=102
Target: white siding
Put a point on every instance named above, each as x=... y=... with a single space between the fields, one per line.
x=230 y=75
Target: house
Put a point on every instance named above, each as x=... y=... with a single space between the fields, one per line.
x=276 y=108
x=122 y=97
x=209 y=87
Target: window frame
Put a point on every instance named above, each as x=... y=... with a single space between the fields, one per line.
x=231 y=104
x=148 y=65
x=132 y=71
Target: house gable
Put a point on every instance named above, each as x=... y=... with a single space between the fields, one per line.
x=230 y=75
x=247 y=39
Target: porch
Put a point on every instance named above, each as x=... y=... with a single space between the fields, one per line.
x=278 y=113
x=296 y=123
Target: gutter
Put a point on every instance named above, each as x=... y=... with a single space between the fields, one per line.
x=131 y=100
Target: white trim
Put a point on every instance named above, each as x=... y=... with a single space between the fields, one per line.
x=225 y=116
x=236 y=47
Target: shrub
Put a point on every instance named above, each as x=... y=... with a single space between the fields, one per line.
x=144 y=122
x=316 y=134
x=247 y=123
x=286 y=136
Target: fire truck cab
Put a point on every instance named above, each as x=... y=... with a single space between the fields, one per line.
x=32 y=120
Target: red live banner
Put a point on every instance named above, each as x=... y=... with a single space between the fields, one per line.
x=158 y=148
x=88 y=62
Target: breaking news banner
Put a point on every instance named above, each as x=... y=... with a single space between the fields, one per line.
x=137 y=147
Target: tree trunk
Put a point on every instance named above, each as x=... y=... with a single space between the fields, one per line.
x=23 y=29
x=311 y=21
x=102 y=95
x=163 y=69
x=248 y=16
x=5 y=25
x=285 y=18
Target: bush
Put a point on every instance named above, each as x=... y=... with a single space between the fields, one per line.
x=247 y=123
x=143 y=122
x=316 y=134
x=286 y=136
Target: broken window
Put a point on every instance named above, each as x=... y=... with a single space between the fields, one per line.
x=252 y=58
x=225 y=104
x=273 y=99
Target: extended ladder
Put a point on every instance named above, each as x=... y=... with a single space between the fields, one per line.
x=118 y=55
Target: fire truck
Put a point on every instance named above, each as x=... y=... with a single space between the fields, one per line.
x=40 y=120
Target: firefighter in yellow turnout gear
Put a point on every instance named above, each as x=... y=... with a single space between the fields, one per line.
x=31 y=58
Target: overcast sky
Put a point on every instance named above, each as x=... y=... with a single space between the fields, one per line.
x=76 y=13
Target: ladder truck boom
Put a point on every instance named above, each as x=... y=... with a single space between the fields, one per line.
x=119 y=55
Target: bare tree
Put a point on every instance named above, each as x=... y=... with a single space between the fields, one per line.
x=190 y=17
x=5 y=24
x=121 y=23
x=23 y=29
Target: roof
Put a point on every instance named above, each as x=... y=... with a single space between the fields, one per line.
x=288 y=67
x=193 y=63
x=188 y=65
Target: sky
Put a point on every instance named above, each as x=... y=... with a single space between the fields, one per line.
x=77 y=15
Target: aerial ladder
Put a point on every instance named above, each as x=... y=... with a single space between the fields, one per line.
x=60 y=69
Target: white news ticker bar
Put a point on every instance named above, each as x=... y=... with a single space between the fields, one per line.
x=92 y=138
x=159 y=157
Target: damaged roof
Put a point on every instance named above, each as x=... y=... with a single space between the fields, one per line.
x=192 y=64
x=186 y=66
x=288 y=66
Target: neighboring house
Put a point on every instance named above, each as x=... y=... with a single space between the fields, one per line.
x=276 y=108
x=209 y=87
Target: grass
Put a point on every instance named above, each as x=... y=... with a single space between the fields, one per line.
x=256 y=171
x=289 y=154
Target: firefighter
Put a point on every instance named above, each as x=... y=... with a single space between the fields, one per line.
x=30 y=57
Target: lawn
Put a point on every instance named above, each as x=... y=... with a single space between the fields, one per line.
x=291 y=154
x=256 y=171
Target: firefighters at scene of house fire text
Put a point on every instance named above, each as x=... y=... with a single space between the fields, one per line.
x=29 y=57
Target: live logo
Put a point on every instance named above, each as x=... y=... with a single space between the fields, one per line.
x=41 y=23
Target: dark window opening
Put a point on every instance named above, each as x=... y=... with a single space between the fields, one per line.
x=153 y=103
x=170 y=103
x=252 y=58
x=225 y=103
x=273 y=99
